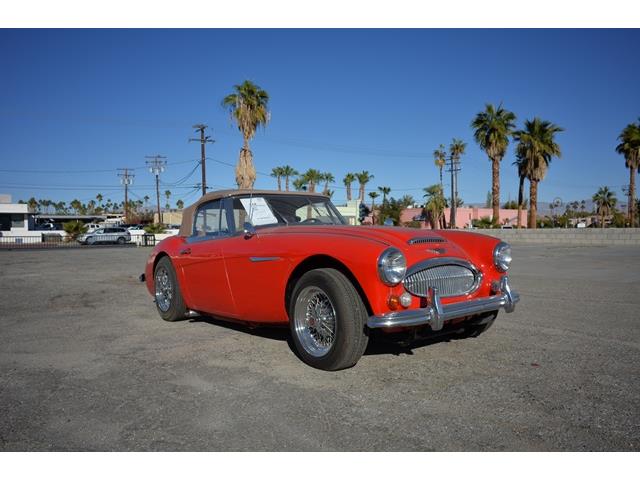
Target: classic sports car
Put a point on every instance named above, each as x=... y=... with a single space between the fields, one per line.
x=285 y=258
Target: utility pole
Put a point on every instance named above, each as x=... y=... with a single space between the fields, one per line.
x=126 y=179
x=156 y=165
x=203 y=141
x=454 y=168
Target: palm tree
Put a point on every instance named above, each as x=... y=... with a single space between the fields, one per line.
x=167 y=193
x=435 y=205
x=363 y=177
x=146 y=200
x=32 y=203
x=492 y=129
x=327 y=178
x=440 y=159
x=348 y=179
x=605 y=201
x=456 y=150
x=288 y=172
x=311 y=178
x=76 y=205
x=385 y=191
x=248 y=107
x=99 y=198
x=536 y=146
x=629 y=146
x=180 y=204
x=373 y=196
x=521 y=163
x=277 y=173
x=300 y=184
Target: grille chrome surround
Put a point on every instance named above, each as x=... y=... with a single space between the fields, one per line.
x=451 y=276
x=418 y=240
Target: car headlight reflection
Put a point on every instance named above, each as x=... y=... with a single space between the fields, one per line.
x=392 y=266
x=502 y=256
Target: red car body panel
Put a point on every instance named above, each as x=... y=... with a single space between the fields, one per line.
x=246 y=278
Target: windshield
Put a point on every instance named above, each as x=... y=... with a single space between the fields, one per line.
x=286 y=210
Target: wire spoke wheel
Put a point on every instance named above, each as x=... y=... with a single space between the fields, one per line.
x=315 y=321
x=164 y=289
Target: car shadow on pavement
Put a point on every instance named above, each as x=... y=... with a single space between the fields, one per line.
x=379 y=344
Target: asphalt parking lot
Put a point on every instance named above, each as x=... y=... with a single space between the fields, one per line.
x=87 y=364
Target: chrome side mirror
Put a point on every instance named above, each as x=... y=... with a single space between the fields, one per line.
x=249 y=230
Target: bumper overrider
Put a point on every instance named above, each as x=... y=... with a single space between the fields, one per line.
x=436 y=314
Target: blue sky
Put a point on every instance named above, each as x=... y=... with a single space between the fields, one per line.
x=86 y=102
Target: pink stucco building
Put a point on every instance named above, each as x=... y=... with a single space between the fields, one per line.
x=465 y=215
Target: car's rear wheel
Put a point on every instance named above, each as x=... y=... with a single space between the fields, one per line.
x=169 y=301
x=327 y=320
x=90 y=241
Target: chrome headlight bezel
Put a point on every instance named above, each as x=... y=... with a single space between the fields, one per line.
x=392 y=266
x=502 y=256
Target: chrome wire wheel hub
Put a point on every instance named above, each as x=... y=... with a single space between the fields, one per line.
x=315 y=321
x=164 y=290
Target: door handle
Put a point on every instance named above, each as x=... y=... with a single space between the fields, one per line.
x=185 y=251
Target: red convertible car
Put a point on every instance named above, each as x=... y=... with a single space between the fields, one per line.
x=285 y=258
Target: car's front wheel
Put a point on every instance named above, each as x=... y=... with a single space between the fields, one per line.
x=121 y=240
x=327 y=320
x=169 y=301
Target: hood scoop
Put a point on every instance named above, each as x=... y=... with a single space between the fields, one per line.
x=420 y=240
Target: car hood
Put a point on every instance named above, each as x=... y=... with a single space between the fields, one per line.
x=406 y=239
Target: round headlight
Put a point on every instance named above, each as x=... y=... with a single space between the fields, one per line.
x=392 y=266
x=502 y=256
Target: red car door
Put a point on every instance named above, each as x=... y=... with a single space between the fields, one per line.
x=203 y=262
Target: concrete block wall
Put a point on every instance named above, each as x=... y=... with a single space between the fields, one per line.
x=568 y=236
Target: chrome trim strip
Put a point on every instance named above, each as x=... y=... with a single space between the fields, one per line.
x=440 y=261
x=418 y=240
x=436 y=314
x=264 y=259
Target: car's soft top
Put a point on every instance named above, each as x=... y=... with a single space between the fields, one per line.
x=188 y=213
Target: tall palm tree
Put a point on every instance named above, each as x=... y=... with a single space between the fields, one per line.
x=629 y=146
x=363 y=177
x=348 y=179
x=435 y=205
x=521 y=163
x=167 y=193
x=456 y=150
x=277 y=173
x=311 y=178
x=440 y=160
x=99 y=197
x=605 y=201
x=537 y=146
x=288 y=172
x=327 y=178
x=492 y=129
x=248 y=107
x=180 y=204
x=385 y=191
x=373 y=196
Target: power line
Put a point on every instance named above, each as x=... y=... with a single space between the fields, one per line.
x=157 y=164
x=203 y=141
x=126 y=179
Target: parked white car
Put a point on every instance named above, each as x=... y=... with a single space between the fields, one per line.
x=106 y=235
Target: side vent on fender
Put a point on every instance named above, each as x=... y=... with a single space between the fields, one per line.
x=419 y=240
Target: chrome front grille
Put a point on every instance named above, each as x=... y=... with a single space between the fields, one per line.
x=450 y=277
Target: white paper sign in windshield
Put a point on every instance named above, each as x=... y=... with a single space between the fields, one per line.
x=259 y=211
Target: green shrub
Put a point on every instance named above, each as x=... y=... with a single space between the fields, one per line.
x=154 y=228
x=74 y=229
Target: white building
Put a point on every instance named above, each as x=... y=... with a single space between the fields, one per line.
x=14 y=218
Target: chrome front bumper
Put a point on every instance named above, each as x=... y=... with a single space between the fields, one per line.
x=436 y=314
